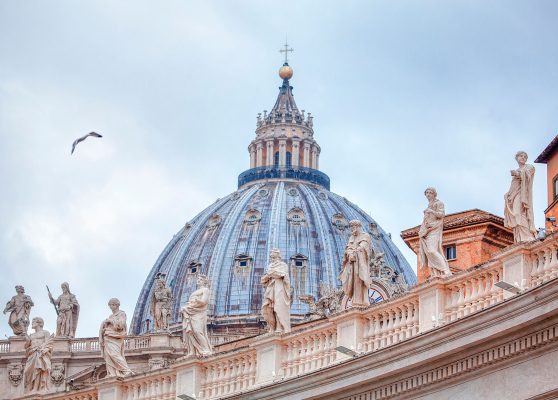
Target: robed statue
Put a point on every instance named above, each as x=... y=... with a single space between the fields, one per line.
x=111 y=340
x=67 y=308
x=38 y=350
x=161 y=304
x=518 y=208
x=431 y=252
x=194 y=320
x=276 y=307
x=19 y=308
x=355 y=273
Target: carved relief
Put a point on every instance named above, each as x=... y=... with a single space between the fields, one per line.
x=386 y=277
x=373 y=230
x=263 y=193
x=322 y=195
x=15 y=374
x=328 y=303
x=292 y=192
x=213 y=222
x=57 y=374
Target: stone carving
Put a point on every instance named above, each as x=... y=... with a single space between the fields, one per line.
x=57 y=374
x=194 y=320
x=355 y=275
x=111 y=341
x=161 y=303
x=67 y=307
x=431 y=253
x=15 y=374
x=38 y=349
x=386 y=276
x=328 y=303
x=19 y=307
x=518 y=208
x=276 y=305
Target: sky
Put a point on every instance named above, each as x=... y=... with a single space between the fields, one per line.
x=405 y=95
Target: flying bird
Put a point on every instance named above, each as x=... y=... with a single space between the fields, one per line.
x=81 y=139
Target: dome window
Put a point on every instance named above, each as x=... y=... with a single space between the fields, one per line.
x=252 y=216
x=194 y=267
x=242 y=264
x=296 y=216
x=299 y=261
x=339 y=221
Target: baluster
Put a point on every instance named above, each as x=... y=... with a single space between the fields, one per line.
x=403 y=323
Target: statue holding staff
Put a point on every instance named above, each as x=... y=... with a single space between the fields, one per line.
x=67 y=308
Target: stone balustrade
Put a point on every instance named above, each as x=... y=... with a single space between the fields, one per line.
x=308 y=352
x=161 y=386
x=229 y=375
x=257 y=362
x=390 y=325
x=544 y=263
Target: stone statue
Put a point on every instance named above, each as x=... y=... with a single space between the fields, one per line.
x=355 y=275
x=431 y=253
x=38 y=349
x=276 y=307
x=111 y=341
x=161 y=304
x=67 y=307
x=19 y=307
x=518 y=209
x=194 y=320
x=328 y=303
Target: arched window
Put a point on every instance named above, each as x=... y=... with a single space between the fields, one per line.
x=289 y=163
x=276 y=161
x=194 y=267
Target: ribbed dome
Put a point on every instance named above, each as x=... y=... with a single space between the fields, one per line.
x=230 y=242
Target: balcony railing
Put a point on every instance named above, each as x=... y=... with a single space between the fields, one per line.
x=284 y=172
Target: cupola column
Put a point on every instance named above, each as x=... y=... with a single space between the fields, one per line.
x=252 y=150
x=269 y=153
x=296 y=153
x=306 y=155
x=314 y=158
x=282 y=152
x=259 y=154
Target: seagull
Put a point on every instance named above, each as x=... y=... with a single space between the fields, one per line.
x=81 y=139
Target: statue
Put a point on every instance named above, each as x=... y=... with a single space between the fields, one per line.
x=111 y=341
x=355 y=275
x=194 y=320
x=19 y=307
x=431 y=253
x=38 y=349
x=328 y=303
x=67 y=307
x=518 y=209
x=161 y=304
x=276 y=305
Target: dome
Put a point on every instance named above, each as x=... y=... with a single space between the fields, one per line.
x=283 y=201
x=230 y=242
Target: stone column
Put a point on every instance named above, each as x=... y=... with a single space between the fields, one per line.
x=314 y=157
x=317 y=158
x=306 y=155
x=282 y=152
x=270 y=153
x=259 y=155
x=252 y=151
x=295 y=153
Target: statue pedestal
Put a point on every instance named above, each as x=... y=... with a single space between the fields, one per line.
x=188 y=380
x=269 y=355
x=17 y=344
x=432 y=305
x=517 y=271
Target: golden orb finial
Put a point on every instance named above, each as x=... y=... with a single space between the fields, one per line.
x=286 y=72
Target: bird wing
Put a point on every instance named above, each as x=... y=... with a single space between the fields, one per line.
x=81 y=139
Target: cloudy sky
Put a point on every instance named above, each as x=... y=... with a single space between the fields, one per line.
x=405 y=95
